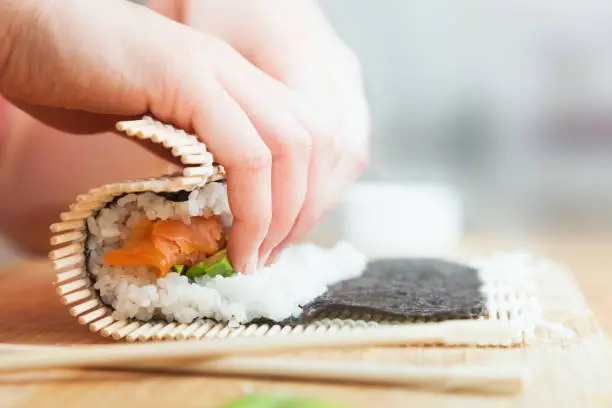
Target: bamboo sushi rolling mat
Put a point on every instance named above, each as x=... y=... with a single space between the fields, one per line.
x=574 y=372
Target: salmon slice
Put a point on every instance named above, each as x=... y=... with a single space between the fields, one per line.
x=165 y=243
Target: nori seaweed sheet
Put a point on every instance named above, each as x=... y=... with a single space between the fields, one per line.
x=419 y=288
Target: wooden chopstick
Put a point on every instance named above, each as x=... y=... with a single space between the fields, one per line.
x=10 y=348
x=456 y=332
x=500 y=380
x=477 y=379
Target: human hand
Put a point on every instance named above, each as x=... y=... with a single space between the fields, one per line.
x=98 y=59
x=293 y=42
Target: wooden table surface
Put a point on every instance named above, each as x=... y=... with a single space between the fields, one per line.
x=574 y=374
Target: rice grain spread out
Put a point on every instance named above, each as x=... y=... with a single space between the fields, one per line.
x=302 y=272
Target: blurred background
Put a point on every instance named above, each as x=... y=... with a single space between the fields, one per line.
x=494 y=116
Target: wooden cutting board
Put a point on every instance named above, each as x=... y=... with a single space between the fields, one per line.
x=573 y=371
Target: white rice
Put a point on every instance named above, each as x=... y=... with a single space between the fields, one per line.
x=302 y=273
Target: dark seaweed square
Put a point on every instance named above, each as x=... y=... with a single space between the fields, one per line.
x=423 y=289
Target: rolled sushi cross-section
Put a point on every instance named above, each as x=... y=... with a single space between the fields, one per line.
x=153 y=252
x=162 y=256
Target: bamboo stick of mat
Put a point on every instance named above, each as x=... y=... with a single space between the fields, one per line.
x=474 y=379
x=450 y=333
x=497 y=380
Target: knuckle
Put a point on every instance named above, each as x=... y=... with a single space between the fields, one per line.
x=327 y=140
x=291 y=143
x=303 y=142
x=299 y=143
x=256 y=159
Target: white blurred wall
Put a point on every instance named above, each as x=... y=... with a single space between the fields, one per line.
x=483 y=95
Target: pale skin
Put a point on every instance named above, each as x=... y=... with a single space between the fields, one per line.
x=267 y=84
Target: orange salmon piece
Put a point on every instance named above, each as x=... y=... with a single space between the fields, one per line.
x=165 y=243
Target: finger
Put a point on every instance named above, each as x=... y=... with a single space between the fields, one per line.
x=319 y=176
x=333 y=169
x=347 y=171
x=269 y=108
x=341 y=129
x=289 y=185
x=342 y=115
x=318 y=194
x=226 y=129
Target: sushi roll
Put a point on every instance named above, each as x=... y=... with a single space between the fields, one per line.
x=154 y=251
x=146 y=260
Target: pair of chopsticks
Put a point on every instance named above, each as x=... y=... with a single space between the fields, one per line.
x=211 y=357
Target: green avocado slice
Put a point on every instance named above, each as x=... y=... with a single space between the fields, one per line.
x=216 y=265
